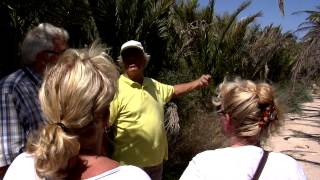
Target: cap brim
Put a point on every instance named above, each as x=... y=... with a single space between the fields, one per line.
x=131 y=47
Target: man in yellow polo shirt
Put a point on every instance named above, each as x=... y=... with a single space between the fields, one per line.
x=137 y=112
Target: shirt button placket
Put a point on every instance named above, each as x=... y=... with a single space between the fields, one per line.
x=143 y=91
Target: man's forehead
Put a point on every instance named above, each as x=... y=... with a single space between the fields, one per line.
x=59 y=39
x=60 y=42
x=132 y=52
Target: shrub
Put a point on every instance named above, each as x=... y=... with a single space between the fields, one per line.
x=293 y=95
x=200 y=131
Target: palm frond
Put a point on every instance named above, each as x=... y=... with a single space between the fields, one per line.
x=281 y=6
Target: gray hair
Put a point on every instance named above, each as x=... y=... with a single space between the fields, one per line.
x=39 y=39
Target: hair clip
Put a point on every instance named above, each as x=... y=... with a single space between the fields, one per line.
x=62 y=126
x=269 y=114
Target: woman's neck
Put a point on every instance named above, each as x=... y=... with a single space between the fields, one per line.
x=96 y=165
x=237 y=141
x=93 y=145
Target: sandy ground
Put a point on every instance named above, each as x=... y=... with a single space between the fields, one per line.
x=300 y=138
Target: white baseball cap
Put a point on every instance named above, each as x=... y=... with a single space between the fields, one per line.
x=131 y=44
x=134 y=44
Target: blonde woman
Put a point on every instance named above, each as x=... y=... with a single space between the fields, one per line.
x=249 y=113
x=74 y=97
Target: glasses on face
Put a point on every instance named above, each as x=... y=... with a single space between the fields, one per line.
x=55 y=52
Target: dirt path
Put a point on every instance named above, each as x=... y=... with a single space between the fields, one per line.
x=300 y=138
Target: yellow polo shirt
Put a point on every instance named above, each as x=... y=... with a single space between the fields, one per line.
x=137 y=113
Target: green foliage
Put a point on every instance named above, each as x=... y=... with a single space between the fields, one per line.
x=180 y=37
x=20 y=16
x=120 y=20
x=9 y=42
x=184 y=41
x=293 y=95
x=307 y=65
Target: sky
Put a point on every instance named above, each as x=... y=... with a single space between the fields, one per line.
x=270 y=11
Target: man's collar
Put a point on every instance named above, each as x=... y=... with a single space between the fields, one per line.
x=36 y=77
x=129 y=81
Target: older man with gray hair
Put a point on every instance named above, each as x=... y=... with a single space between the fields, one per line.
x=20 y=111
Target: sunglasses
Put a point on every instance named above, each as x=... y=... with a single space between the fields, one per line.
x=55 y=52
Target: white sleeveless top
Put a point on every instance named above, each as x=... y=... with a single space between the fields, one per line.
x=240 y=163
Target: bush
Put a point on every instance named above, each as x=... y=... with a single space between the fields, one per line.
x=293 y=95
x=200 y=131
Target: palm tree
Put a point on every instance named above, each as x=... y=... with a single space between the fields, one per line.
x=19 y=17
x=144 y=20
x=308 y=64
x=281 y=6
x=271 y=54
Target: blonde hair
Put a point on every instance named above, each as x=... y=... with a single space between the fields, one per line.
x=75 y=93
x=253 y=108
